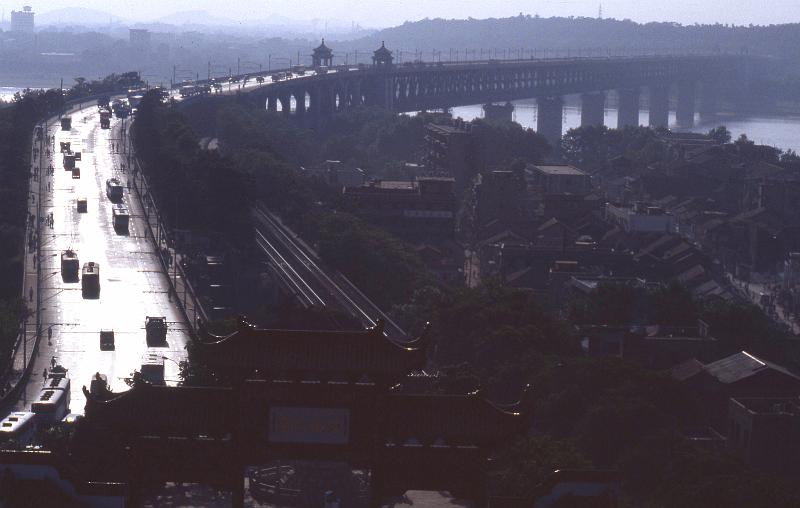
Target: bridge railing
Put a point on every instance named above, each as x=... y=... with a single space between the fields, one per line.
x=511 y=56
x=170 y=258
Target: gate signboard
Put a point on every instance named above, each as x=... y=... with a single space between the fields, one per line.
x=309 y=425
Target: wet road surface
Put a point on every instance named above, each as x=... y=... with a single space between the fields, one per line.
x=132 y=282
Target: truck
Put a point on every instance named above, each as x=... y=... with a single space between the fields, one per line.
x=90 y=280
x=105 y=119
x=300 y=70
x=114 y=189
x=153 y=368
x=69 y=265
x=66 y=123
x=106 y=340
x=156 y=329
x=120 y=217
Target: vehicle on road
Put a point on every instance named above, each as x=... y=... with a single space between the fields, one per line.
x=278 y=76
x=66 y=123
x=322 y=69
x=105 y=119
x=76 y=173
x=90 y=280
x=114 y=189
x=188 y=91
x=120 y=108
x=69 y=160
x=106 y=340
x=120 y=217
x=19 y=426
x=156 y=329
x=153 y=368
x=69 y=265
x=82 y=205
x=300 y=70
x=65 y=146
x=52 y=405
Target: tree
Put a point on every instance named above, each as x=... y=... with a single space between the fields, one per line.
x=720 y=134
x=518 y=468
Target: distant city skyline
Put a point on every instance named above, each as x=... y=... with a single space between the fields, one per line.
x=384 y=13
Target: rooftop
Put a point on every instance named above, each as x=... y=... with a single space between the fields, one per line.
x=735 y=367
x=560 y=169
x=770 y=405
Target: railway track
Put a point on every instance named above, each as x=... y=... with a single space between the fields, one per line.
x=335 y=286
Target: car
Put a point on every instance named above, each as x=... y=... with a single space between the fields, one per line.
x=106 y=339
x=156 y=329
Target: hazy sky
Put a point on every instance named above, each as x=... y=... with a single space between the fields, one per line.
x=378 y=13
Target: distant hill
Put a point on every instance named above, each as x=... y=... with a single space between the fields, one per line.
x=578 y=34
x=76 y=16
x=195 y=17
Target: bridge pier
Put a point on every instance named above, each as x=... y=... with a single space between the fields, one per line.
x=628 y=107
x=272 y=103
x=300 y=102
x=593 y=109
x=286 y=104
x=684 y=113
x=708 y=103
x=659 y=106
x=549 y=118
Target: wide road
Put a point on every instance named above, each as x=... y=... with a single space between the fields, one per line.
x=132 y=282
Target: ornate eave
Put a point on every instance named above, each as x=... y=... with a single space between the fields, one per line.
x=382 y=52
x=323 y=50
x=453 y=420
x=162 y=408
x=349 y=354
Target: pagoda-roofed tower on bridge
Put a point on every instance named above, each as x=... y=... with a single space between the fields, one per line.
x=382 y=58
x=322 y=56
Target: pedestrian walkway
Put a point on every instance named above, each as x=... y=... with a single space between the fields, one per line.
x=26 y=346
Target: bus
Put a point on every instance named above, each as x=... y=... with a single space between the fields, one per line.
x=69 y=161
x=69 y=265
x=19 y=426
x=153 y=368
x=114 y=189
x=52 y=405
x=66 y=123
x=188 y=90
x=90 y=280
x=120 y=217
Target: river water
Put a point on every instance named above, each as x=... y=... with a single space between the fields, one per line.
x=779 y=131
